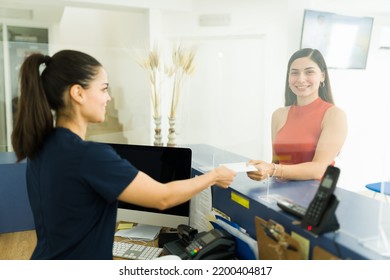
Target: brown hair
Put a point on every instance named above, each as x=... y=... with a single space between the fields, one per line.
x=40 y=94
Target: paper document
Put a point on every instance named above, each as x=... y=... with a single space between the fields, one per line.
x=200 y=206
x=239 y=167
x=140 y=232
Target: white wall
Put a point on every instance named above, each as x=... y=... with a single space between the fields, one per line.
x=113 y=37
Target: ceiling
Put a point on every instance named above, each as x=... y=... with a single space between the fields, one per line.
x=51 y=10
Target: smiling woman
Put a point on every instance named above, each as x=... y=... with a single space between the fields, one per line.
x=309 y=132
x=74 y=185
x=305 y=78
x=92 y=100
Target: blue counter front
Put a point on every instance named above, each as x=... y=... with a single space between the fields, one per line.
x=15 y=210
x=359 y=216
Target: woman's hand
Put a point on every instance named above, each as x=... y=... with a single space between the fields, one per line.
x=264 y=170
x=224 y=176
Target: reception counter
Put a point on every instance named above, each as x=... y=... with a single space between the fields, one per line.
x=362 y=220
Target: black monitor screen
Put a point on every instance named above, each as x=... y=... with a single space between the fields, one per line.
x=164 y=164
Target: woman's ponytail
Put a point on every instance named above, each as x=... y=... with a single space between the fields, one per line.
x=34 y=118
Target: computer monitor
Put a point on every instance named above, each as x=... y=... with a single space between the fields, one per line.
x=163 y=164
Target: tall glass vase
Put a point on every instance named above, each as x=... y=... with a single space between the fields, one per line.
x=157 y=132
x=172 y=133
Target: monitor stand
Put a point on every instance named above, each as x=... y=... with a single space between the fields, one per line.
x=155 y=219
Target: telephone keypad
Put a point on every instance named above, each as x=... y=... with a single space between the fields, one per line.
x=315 y=210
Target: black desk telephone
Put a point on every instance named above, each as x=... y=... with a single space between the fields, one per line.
x=319 y=216
x=212 y=245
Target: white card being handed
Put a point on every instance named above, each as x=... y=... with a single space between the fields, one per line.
x=239 y=167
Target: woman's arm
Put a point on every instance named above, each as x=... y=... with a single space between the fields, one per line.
x=279 y=118
x=332 y=138
x=147 y=192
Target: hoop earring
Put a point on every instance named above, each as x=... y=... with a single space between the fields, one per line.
x=322 y=84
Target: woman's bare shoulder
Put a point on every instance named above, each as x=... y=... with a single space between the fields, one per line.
x=280 y=112
x=279 y=118
x=335 y=116
x=335 y=112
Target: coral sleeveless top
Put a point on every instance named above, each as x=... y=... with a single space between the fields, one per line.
x=297 y=140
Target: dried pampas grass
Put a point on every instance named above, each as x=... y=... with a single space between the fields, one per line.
x=154 y=68
x=182 y=67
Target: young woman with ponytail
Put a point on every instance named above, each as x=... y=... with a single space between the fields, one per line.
x=74 y=184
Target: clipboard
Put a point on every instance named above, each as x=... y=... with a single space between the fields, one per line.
x=274 y=243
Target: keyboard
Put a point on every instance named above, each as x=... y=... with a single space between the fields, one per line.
x=135 y=251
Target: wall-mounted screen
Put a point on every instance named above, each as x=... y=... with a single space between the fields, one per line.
x=343 y=40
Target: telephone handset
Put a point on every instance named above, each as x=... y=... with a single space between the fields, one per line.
x=214 y=244
x=322 y=198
